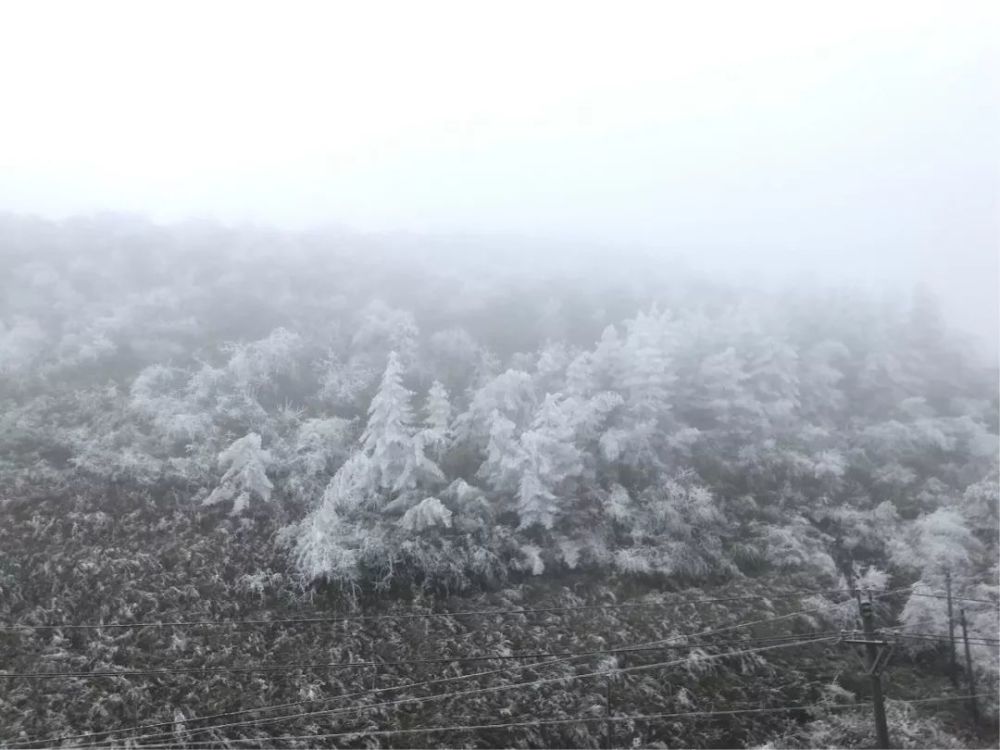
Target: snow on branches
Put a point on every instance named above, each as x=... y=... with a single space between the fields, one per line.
x=245 y=477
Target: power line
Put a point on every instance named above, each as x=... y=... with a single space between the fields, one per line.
x=9 y=627
x=895 y=630
x=945 y=638
x=425 y=683
x=735 y=626
x=651 y=645
x=405 y=616
x=956 y=598
x=552 y=722
x=494 y=689
x=400 y=662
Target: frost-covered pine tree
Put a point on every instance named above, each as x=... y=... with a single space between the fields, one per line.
x=646 y=385
x=254 y=365
x=437 y=409
x=155 y=397
x=430 y=512
x=647 y=367
x=396 y=449
x=721 y=396
x=388 y=436
x=511 y=393
x=245 y=478
x=328 y=546
x=606 y=364
x=320 y=443
x=938 y=543
x=773 y=378
x=388 y=475
x=501 y=470
x=418 y=469
x=382 y=329
x=674 y=527
x=550 y=369
x=346 y=384
x=820 y=378
x=550 y=459
x=580 y=375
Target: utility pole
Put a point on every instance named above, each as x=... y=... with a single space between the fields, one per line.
x=951 y=632
x=969 y=672
x=609 y=725
x=874 y=663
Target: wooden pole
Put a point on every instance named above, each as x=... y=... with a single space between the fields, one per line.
x=878 y=700
x=609 y=725
x=969 y=672
x=951 y=633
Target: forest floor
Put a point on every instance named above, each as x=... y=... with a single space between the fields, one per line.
x=122 y=560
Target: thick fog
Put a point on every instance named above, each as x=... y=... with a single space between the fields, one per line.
x=851 y=141
x=424 y=374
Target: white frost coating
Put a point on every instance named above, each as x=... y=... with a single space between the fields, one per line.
x=648 y=376
x=437 y=434
x=318 y=442
x=938 y=541
x=550 y=458
x=430 y=512
x=569 y=550
x=463 y=492
x=255 y=363
x=502 y=468
x=418 y=470
x=511 y=394
x=387 y=438
x=246 y=474
x=327 y=548
x=533 y=559
x=619 y=504
x=792 y=547
x=351 y=487
x=378 y=481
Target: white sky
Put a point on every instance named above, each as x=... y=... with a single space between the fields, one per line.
x=850 y=139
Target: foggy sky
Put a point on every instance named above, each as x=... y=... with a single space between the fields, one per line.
x=844 y=140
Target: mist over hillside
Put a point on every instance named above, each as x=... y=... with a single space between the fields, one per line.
x=449 y=374
x=325 y=422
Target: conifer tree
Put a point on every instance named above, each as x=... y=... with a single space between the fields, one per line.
x=501 y=470
x=388 y=436
x=550 y=460
x=246 y=474
x=437 y=410
x=648 y=377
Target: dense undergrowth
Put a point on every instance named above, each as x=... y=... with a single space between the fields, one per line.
x=124 y=558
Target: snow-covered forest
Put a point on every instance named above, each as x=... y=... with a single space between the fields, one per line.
x=301 y=418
